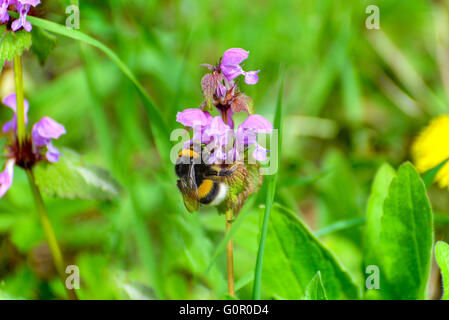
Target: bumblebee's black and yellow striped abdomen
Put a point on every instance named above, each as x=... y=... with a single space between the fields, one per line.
x=207 y=191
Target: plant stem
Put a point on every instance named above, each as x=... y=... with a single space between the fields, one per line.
x=49 y=233
x=230 y=255
x=18 y=77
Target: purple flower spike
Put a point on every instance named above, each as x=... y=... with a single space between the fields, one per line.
x=6 y=177
x=22 y=21
x=231 y=69
x=4 y=16
x=45 y=130
x=11 y=102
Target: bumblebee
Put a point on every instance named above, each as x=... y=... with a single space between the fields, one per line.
x=199 y=182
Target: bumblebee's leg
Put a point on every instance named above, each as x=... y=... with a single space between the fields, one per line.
x=227 y=172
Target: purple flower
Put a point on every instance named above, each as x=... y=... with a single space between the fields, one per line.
x=231 y=69
x=42 y=133
x=11 y=102
x=246 y=135
x=23 y=9
x=221 y=138
x=6 y=177
x=4 y=16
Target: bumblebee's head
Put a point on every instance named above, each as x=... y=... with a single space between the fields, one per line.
x=185 y=159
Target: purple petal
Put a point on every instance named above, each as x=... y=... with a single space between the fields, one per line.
x=4 y=16
x=251 y=77
x=257 y=123
x=260 y=153
x=23 y=9
x=11 y=102
x=16 y=25
x=30 y=2
x=6 y=177
x=234 y=56
x=52 y=154
x=45 y=130
x=220 y=92
x=217 y=126
x=193 y=117
x=231 y=71
x=27 y=26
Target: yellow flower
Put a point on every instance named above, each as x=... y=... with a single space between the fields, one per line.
x=431 y=147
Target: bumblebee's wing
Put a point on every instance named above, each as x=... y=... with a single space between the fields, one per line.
x=189 y=191
x=189 y=196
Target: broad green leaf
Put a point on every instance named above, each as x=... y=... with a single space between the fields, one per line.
x=429 y=176
x=406 y=237
x=71 y=178
x=292 y=258
x=12 y=44
x=315 y=290
x=43 y=44
x=338 y=190
x=442 y=256
x=374 y=211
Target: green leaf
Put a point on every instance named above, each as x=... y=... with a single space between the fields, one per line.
x=315 y=290
x=442 y=256
x=403 y=252
x=71 y=178
x=429 y=176
x=12 y=44
x=43 y=44
x=379 y=192
x=293 y=256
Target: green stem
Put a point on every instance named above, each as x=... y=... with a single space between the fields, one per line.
x=230 y=255
x=18 y=77
x=49 y=233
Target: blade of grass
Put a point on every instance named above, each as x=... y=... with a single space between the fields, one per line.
x=270 y=195
x=406 y=72
x=429 y=176
x=158 y=124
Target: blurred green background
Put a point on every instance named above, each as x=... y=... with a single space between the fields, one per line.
x=353 y=98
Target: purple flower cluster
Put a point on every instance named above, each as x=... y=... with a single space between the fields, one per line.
x=33 y=149
x=21 y=6
x=224 y=142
